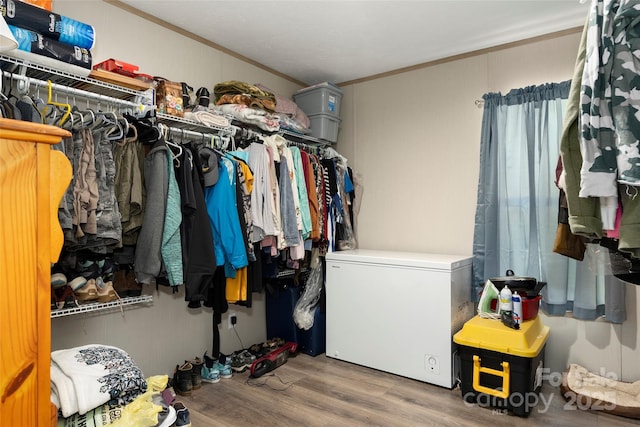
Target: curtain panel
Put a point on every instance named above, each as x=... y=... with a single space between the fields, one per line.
x=517 y=208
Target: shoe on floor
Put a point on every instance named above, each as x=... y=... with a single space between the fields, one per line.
x=225 y=370
x=241 y=361
x=182 y=384
x=196 y=372
x=209 y=375
x=182 y=415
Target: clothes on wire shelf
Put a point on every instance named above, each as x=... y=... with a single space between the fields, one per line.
x=176 y=213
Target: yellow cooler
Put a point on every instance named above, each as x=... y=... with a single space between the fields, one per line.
x=501 y=367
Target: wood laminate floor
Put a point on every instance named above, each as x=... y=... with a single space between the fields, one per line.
x=321 y=391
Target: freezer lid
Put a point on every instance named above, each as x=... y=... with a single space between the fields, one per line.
x=405 y=259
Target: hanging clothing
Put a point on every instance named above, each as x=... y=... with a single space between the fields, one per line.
x=274 y=193
x=85 y=190
x=312 y=196
x=261 y=198
x=229 y=245
x=148 y=256
x=171 y=248
x=290 y=235
x=244 y=188
x=130 y=187
x=197 y=239
x=305 y=214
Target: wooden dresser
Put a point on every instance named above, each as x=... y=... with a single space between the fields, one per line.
x=33 y=179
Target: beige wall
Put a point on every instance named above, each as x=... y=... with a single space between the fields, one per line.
x=413 y=137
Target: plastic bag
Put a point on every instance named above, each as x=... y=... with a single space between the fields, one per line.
x=306 y=305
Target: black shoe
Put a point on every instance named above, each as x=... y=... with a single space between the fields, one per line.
x=182 y=415
x=196 y=378
x=182 y=383
x=203 y=97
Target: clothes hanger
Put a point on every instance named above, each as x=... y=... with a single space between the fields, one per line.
x=112 y=124
x=167 y=141
x=50 y=101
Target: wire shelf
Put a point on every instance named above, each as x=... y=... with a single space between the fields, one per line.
x=190 y=125
x=64 y=78
x=102 y=306
x=302 y=138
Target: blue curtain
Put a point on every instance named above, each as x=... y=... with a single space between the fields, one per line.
x=517 y=211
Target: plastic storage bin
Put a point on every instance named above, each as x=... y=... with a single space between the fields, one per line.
x=499 y=366
x=325 y=127
x=323 y=98
x=279 y=312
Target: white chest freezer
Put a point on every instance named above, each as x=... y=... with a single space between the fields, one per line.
x=398 y=311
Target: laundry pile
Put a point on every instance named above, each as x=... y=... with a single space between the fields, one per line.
x=101 y=385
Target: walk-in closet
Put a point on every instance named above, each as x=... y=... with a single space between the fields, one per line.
x=309 y=213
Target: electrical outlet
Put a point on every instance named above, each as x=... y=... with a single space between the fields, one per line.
x=233 y=319
x=432 y=364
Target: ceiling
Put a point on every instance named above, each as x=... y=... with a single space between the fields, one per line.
x=344 y=40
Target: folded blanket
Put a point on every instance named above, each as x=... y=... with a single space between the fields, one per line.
x=64 y=394
x=97 y=373
x=289 y=107
x=242 y=113
x=237 y=92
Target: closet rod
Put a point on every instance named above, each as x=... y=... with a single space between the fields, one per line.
x=187 y=132
x=138 y=107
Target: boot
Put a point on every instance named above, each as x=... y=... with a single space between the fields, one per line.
x=196 y=379
x=182 y=383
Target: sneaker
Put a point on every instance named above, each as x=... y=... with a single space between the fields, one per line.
x=208 y=361
x=225 y=371
x=241 y=361
x=77 y=283
x=88 y=292
x=107 y=269
x=58 y=280
x=196 y=372
x=89 y=269
x=248 y=357
x=237 y=362
x=182 y=415
x=106 y=293
x=65 y=298
x=209 y=375
x=182 y=379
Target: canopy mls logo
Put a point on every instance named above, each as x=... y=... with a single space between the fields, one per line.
x=541 y=402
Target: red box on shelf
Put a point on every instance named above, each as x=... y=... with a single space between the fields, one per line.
x=117 y=66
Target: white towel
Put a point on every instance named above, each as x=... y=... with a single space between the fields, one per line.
x=65 y=393
x=98 y=373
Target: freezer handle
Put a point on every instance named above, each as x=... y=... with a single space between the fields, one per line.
x=505 y=374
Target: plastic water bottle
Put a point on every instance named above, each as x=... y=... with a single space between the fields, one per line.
x=517 y=307
x=506 y=304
